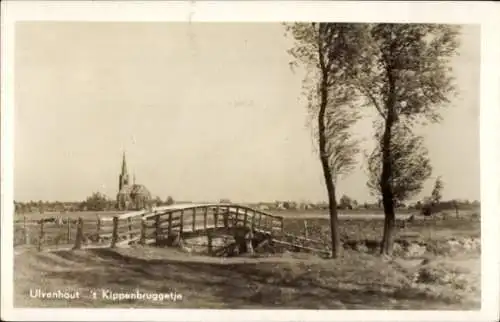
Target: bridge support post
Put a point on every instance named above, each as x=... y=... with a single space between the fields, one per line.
x=178 y=242
x=245 y=217
x=265 y=239
x=248 y=242
x=210 y=242
x=205 y=219
x=243 y=238
x=226 y=218
x=216 y=216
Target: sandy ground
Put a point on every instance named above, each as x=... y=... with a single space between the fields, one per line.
x=356 y=281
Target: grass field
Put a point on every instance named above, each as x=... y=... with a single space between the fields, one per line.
x=357 y=281
x=306 y=214
x=446 y=275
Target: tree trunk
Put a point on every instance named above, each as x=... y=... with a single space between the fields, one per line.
x=332 y=202
x=387 y=193
x=324 y=158
x=389 y=230
x=385 y=179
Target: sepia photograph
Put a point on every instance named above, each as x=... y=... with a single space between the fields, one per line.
x=256 y=165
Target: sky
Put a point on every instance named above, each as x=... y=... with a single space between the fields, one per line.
x=204 y=111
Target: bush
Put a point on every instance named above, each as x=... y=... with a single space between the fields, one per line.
x=96 y=202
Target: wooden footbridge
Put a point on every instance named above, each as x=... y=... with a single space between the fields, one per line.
x=217 y=228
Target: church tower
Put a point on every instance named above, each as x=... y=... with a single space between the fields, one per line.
x=123 y=175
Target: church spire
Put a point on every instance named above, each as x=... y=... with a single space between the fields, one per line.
x=124 y=164
x=123 y=178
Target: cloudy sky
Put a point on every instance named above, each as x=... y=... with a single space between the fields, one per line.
x=203 y=111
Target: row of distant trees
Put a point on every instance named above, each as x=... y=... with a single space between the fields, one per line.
x=95 y=202
x=100 y=202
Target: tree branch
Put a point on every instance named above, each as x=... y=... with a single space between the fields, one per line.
x=372 y=98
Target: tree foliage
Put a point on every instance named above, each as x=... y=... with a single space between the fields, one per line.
x=410 y=164
x=96 y=202
x=157 y=201
x=407 y=79
x=346 y=202
x=437 y=191
x=409 y=70
x=330 y=52
x=169 y=201
x=403 y=71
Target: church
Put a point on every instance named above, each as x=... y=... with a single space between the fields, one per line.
x=131 y=196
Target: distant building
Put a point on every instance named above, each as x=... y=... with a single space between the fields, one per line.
x=131 y=197
x=263 y=207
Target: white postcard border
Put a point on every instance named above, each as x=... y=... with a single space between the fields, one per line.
x=484 y=13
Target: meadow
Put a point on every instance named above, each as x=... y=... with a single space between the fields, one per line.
x=436 y=265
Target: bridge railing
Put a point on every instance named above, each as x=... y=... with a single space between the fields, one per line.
x=147 y=227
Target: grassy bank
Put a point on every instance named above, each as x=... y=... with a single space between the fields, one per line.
x=439 y=278
x=356 y=281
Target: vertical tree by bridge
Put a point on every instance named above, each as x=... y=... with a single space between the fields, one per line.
x=407 y=79
x=329 y=53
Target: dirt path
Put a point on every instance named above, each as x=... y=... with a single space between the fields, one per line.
x=299 y=281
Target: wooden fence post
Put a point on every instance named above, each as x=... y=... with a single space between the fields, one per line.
x=306 y=233
x=169 y=229
x=216 y=215
x=114 y=238
x=181 y=229
x=205 y=218
x=193 y=224
x=40 y=237
x=129 y=221
x=143 y=231
x=245 y=218
x=68 y=230
x=26 y=232
x=253 y=220
x=79 y=234
x=157 y=229
x=98 y=228
x=225 y=217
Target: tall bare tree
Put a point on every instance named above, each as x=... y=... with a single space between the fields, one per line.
x=408 y=80
x=329 y=52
